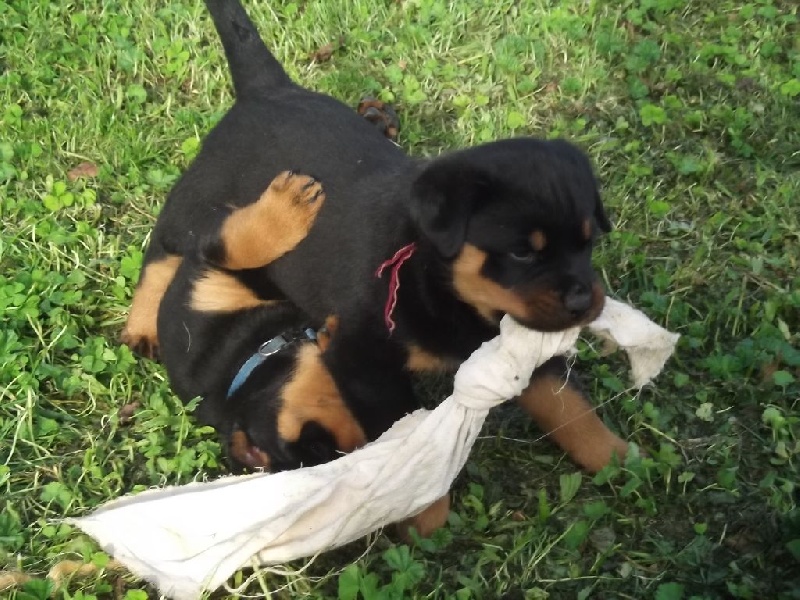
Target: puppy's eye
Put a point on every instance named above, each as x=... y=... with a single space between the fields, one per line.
x=523 y=256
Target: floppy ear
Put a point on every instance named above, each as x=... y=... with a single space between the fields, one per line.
x=443 y=199
x=600 y=216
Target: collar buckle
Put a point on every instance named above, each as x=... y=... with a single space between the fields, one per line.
x=273 y=346
x=265 y=350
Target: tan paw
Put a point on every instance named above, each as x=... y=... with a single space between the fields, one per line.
x=141 y=330
x=143 y=344
x=293 y=200
x=426 y=522
x=255 y=235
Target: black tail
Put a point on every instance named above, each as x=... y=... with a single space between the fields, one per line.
x=253 y=68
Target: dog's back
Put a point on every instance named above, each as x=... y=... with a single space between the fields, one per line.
x=275 y=125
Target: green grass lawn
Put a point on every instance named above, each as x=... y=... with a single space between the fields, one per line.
x=691 y=113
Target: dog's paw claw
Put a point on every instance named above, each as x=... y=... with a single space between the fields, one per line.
x=141 y=345
x=301 y=189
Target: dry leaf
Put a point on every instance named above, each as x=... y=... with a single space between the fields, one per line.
x=86 y=170
x=66 y=569
x=323 y=54
x=127 y=412
x=12 y=579
x=744 y=541
x=603 y=539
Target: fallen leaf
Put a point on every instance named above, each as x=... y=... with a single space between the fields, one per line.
x=768 y=370
x=12 y=579
x=323 y=54
x=602 y=539
x=744 y=541
x=85 y=169
x=127 y=412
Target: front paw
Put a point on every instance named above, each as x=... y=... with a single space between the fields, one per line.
x=141 y=343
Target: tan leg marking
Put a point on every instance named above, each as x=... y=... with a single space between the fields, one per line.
x=569 y=420
x=312 y=395
x=217 y=291
x=426 y=522
x=141 y=328
x=420 y=360
x=257 y=234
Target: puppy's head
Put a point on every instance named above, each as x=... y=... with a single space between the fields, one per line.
x=254 y=440
x=289 y=413
x=516 y=221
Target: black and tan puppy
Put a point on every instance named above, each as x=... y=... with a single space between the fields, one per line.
x=234 y=341
x=418 y=258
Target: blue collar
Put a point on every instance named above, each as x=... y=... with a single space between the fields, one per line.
x=265 y=350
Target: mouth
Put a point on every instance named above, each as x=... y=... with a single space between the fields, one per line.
x=544 y=311
x=246 y=453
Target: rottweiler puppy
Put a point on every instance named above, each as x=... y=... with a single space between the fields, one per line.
x=419 y=259
x=216 y=329
x=234 y=340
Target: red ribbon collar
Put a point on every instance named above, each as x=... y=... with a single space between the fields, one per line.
x=395 y=263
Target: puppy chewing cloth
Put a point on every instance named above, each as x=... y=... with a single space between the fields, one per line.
x=180 y=540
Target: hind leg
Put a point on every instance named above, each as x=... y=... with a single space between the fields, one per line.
x=562 y=411
x=427 y=521
x=141 y=331
x=259 y=233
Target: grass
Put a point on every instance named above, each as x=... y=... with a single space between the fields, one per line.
x=691 y=114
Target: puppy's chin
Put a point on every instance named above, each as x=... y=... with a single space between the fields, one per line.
x=549 y=324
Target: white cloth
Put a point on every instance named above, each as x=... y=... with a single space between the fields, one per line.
x=194 y=537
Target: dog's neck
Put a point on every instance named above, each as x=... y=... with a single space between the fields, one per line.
x=429 y=311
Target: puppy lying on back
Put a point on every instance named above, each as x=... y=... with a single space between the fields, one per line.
x=233 y=340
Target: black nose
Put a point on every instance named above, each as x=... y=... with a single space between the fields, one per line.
x=578 y=298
